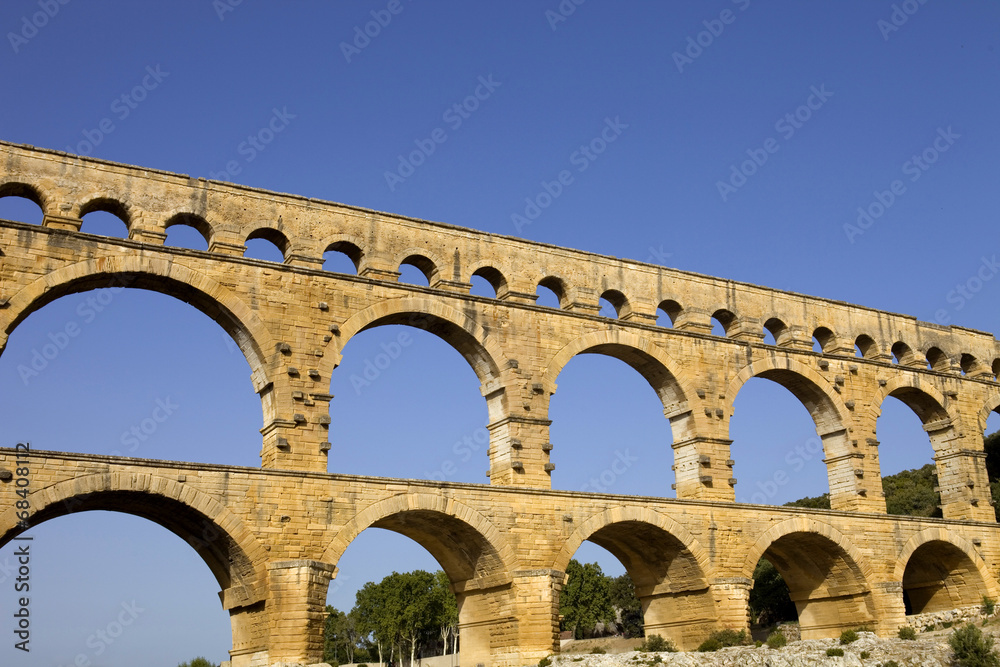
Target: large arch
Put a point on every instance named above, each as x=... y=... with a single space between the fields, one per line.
x=653 y=363
x=473 y=553
x=157 y=275
x=456 y=328
x=233 y=554
x=829 y=413
x=827 y=576
x=940 y=570
x=669 y=568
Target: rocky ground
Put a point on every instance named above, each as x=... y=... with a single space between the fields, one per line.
x=930 y=649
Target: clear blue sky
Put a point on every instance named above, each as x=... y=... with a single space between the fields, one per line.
x=879 y=95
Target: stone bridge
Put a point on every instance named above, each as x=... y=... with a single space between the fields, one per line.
x=272 y=536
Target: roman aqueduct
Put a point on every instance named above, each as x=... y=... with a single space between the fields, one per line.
x=273 y=535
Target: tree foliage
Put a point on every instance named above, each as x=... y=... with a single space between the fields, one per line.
x=198 y=662
x=585 y=600
x=405 y=612
x=629 y=609
x=770 y=601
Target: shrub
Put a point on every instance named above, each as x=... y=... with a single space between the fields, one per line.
x=758 y=643
x=947 y=624
x=598 y=650
x=929 y=628
x=834 y=652
x=864 y=655
x=657 y=644
x=906 y=632
x=972 y=648
x=989 y=605
x=545 y=662
x=890 y=663
x=722 y=638
x=197 y=662
x=848 y=636
x=777 y=639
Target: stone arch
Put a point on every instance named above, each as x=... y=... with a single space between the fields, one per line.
x=230 y=550
x=466 y=544
x=28 y=191
x=472 y=552
x=992 y=405
x=669 y=569
x=157 y=275
x=952 y=574
x=456 y=328
x=813 y=390
x=924 y=399
x=424 y=261
x=110 y=204
x=272 y=235
x=827 y=576
x=199 y=223
x=488 y=271
x=348 y=244
x=653 y=363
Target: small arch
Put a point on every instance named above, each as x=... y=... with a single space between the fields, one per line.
x=827 y=576
x=970 y=366
x=996 y=369
x=671 y=311
x=548 y=287
x=865 y=347
x=491 y=277
x=340 y=256
x=941 y=571
x=184 y=239
x=667 y=565
x=777 y=329
x=902 y=354
x=724 y=321
x=938 y=360
x=823 y=339
x=107 y=205
x=619 y=304
x=269 y=237
x=422 y=264
x=19 y=207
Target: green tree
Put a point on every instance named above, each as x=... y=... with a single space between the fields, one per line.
x=585 y=601
x=911 y=492
x=340 y=637
x=816 y=503
x=770 y=601
x=629 y=609
x=401 y=611
x=448 y=619
x=198 y=662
